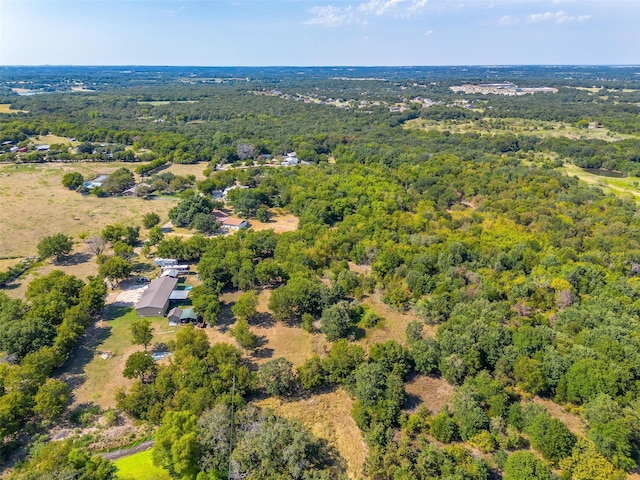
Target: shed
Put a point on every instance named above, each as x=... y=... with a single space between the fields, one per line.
x=235 y=223
x=174 y=315
x=179 y=316
x=155 y=299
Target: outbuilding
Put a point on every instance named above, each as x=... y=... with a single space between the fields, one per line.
x=155 y=299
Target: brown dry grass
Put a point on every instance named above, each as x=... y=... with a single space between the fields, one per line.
x=6 y=108
x=571 y=420
x=328 y=416
x=196 y=169
x=360 y=269
x=98 y=378
x=278 y=223
x=7 y=263
x=52 y=139
x=277 y=339
x=80 y=263
x=35 y=205
x=431 y=392
x=394 y=325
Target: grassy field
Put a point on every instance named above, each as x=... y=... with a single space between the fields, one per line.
x=52 y=139
x=35 y=205
x=431 y=392
x=156 y=103
x=394 y=325
x=536 y=128
x=279 y=223
x=6 y=108
x=140 y=467
x=80 y=263
x=627 y=187
x=96 y=378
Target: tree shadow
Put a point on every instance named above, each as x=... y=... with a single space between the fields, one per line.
x=74 y=259
x=225 y=317
x=73 y=370
x=262 y=353
x=263 y=319
x=116 y=311
x=357 y=333
x=141 y=267
x=411 y=402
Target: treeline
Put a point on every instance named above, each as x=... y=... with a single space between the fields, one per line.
x=36 y=337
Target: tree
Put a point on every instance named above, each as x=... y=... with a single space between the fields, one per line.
x=72 y=180
x=150 y=220
x=528 y=373
x=155 y=235
x=443 y=428
x=263 y=214
x=370 y=381
x=205 y=223
x=274 y=447
x=96 y=245
x=342 y=361
x=56 y=246
x=123 y=250
x=311 y=373
x=118 y=181
x=525 y=465
x=277 y=377
x=141 y=332
x=62 y=460
x=176 y=446
x=183 y=214
x=115 y=268
x=141 y=365
x=550 y=437
x=243 y=334
x=336 y=321
x=468 y=412
x=205 y=302
x=51 y=399
x=245 y=306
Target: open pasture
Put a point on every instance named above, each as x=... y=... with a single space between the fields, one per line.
x=6 y=108
x=626 y=187
x=36 y=205
x=501 y=126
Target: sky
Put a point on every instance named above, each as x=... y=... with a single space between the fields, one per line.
x=319 y=32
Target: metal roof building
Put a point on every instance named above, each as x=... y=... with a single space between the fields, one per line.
x=155 y=299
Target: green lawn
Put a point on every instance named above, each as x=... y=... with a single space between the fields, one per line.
x=627 y=187
x=139 y=466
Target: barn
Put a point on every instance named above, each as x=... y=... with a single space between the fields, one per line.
x=155 y=299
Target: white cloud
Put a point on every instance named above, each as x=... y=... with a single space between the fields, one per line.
x=378 y=7
x=558 y=17
x=508 y=20
x=428 y=33
x=334 y=16
x=330 y=16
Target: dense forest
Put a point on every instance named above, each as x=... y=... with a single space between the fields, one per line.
x=523 y=281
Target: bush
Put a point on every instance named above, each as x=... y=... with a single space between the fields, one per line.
x=483 y=441
x=525 y=465
x=443 y=428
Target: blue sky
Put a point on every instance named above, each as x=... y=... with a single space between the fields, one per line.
x=319 y=32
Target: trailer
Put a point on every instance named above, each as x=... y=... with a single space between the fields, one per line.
x=165 y=262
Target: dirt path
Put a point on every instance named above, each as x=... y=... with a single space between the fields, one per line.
x=125 y=452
